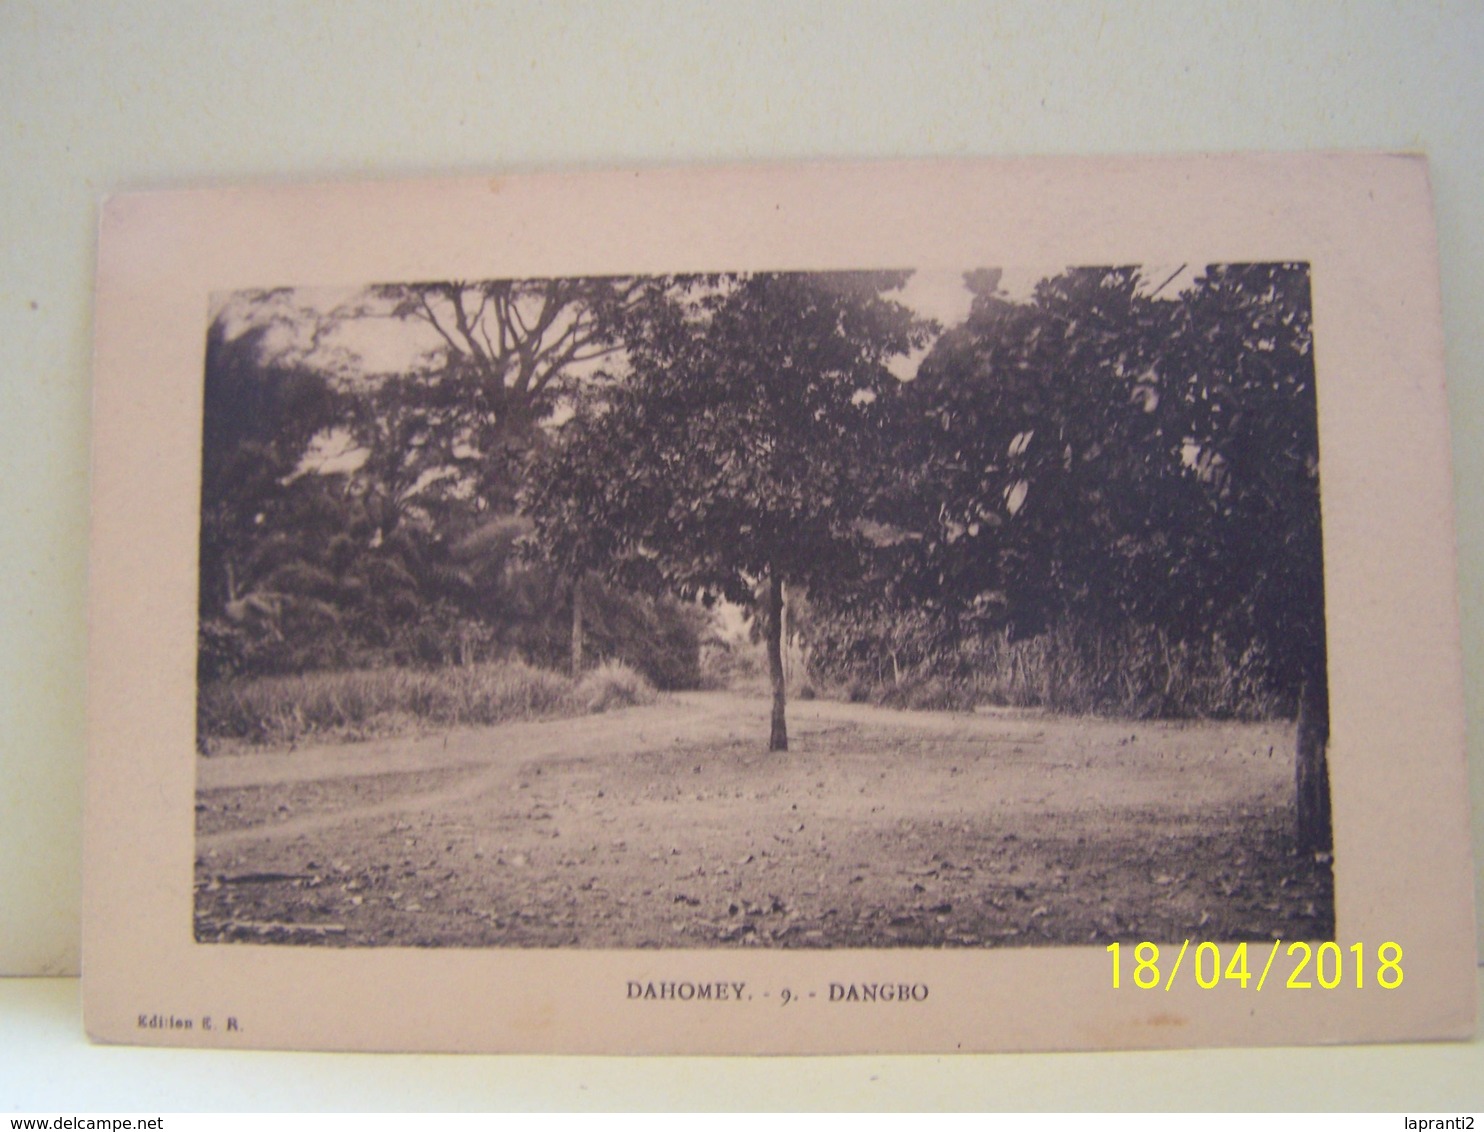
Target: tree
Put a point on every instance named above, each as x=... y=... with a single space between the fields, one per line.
x=511 y=348
x=745 y=442
x=1241 y=369
x=1099 y=455
x=570 y=498
x=1041 y=484
x=512 y=351
x=258 y=420
x=420 y=438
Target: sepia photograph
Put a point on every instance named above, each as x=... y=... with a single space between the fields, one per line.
x=918 y=607
x=874 y=609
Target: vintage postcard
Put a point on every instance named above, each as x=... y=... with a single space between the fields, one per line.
x=920 y=607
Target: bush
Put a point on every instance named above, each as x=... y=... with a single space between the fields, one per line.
x=613 y=685
x=932 y=693
x=356 y=704
x=658 y=637
x=1137 y=671
x=732 y=665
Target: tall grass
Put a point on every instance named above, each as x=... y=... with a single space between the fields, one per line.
x=1138 y=672
x=612 y=685
x=364 y=702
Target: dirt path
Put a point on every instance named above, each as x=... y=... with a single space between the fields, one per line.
x=440 y=771
x=670 y=825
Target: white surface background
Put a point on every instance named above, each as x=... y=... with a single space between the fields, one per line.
x=96 y=97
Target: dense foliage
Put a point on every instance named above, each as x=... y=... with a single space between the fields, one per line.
x=355 y=520
x=1101 y=497
x=750 y=437
x=1106 y=464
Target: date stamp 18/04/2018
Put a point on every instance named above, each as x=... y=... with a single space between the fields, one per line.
x=1325 y=966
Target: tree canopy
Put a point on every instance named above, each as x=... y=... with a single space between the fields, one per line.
x=749 y=434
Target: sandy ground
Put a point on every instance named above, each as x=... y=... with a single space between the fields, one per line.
x=671 y=826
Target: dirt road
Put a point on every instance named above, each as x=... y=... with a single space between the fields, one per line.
x=671 y=826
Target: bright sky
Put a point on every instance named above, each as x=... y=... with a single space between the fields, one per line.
x=937 y=294
x=941 y=294
x=359 y=346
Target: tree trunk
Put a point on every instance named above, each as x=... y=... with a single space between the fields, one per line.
x=1311 y=766
x=577 y=627
x=778 y=738
x=783 y=647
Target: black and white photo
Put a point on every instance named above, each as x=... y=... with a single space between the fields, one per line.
x=765 y=609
